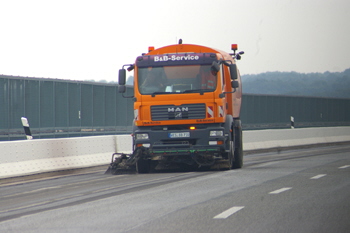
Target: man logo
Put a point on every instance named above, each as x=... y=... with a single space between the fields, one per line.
x=178 y=109
x=178 y=112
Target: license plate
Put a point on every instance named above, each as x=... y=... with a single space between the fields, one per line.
x=179 y=135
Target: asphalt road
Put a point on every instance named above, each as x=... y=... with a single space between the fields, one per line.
x=304 y=190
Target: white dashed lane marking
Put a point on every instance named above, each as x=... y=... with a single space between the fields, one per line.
x=229 y=212
x=280 y=190
x=345 y=166
x=318 y=176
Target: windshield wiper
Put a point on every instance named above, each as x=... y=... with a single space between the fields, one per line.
x=201 y=91
x=161 y=92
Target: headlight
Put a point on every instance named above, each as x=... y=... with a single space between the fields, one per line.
x=216 y=133
x=142 y=136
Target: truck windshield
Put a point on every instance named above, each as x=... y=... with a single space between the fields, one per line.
x=176 y=79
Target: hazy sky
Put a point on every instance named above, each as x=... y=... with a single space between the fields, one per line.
x=84 y=39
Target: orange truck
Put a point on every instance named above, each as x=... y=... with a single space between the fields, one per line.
x=187 y=101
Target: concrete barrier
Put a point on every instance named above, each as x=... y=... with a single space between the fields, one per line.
x=44 y=155
x=19 y=158
x=276 y=138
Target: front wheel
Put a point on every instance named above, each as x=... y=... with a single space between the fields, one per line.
x=230 y=156
x=238 y=154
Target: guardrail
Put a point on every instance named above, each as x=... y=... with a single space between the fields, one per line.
x=18 y=158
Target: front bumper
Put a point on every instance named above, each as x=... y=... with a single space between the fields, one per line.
x=197 y=141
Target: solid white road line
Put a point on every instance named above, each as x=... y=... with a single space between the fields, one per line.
x=280 y=190
x=345 y=166
x=317 y=177
x=228 y=212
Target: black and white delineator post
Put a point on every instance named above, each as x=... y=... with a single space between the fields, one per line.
x=26 y=128
x=291 y=122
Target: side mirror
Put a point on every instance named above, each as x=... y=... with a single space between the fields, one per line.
x=233 y=71
x=235 y=84
x=122 y=77
x=215 y=67
x=121 y=88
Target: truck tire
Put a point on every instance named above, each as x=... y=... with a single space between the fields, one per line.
x=238 y=154
x=230 y=156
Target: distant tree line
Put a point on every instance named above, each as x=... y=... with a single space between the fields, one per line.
x=327 y=84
